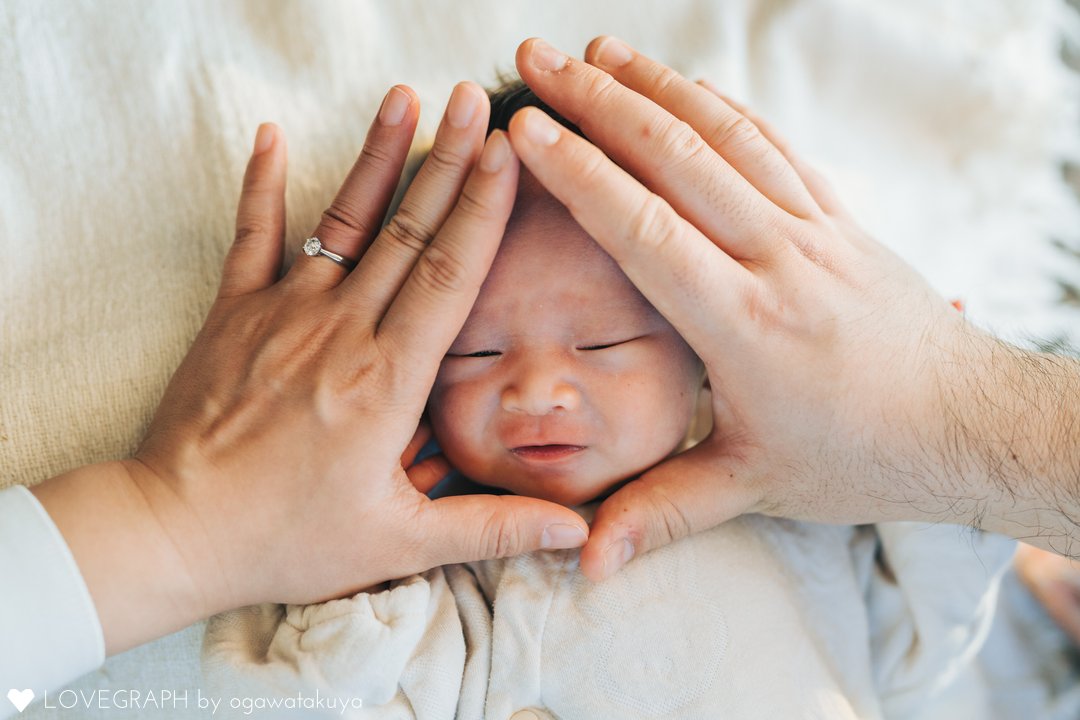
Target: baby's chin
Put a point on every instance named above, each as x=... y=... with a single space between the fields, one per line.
x=567 y=490
x=568 y=479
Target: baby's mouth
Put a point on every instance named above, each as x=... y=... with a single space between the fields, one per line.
x=546 y=453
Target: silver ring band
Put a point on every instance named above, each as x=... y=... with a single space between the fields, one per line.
x=313 y=246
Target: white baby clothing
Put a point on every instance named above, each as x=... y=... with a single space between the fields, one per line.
x=756 y=618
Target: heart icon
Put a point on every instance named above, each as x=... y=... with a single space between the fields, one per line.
x=20 y=698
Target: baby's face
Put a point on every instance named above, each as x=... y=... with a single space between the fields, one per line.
x=564 y=379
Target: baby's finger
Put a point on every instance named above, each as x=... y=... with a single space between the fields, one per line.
x=417 y=443
x=254 y=260
x=428 y=202
x=466 y=528
x=815 y=182
x=666 y=154
x=724 y=128
x=427 y=473
x=690 y=492
x=1063 y=605
x=442 y=284
x=677 y=268
x=355 y=215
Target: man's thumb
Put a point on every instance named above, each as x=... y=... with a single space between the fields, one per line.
x=693 y=491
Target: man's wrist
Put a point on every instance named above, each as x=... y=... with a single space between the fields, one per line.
x=1012 y=439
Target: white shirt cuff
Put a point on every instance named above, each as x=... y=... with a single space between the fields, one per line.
x=50 y=633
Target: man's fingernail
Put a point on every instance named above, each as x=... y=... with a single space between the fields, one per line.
x=496 y=152
x=616 y=555
x=394 y=106
x=462 y=106
x=560 y=536
x=613 y=53
x=545 y=57
x=539 y=128
x=264 y=138
x=707 y=84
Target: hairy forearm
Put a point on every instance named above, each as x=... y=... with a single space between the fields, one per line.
x=1013 y=440
x=140 y=584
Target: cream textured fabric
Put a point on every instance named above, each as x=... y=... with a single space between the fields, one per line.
x=757 y=618
x=126 y=126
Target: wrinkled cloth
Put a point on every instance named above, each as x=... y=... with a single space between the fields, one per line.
x=757 y=618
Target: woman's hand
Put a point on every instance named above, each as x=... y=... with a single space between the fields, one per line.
x=273 y=469
x=843 y=388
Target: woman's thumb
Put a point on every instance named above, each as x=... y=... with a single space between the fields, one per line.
x=466 y=528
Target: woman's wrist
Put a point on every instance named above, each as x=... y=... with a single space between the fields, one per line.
x=134 y=558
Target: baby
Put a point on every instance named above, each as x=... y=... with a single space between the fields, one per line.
x=564 y=383
x=564 y=380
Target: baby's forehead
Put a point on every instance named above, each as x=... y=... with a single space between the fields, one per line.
x=543 y=240
x=547 y=261
x=540 y=225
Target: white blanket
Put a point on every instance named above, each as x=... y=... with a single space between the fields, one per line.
x=125 y=127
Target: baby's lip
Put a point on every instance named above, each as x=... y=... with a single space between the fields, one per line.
x=550 y=452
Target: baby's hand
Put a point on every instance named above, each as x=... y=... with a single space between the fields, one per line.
x=427 y=473
x=1055 y=582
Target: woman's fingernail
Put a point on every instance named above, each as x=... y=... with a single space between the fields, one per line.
x=545 y=57
x=462 y=106
x=560 y=536
x=394 y=106
x=264 y=138
x=613 y=53
x=496 y=152
x=540 y=128
x=616 y=555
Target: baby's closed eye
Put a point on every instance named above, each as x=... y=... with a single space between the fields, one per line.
x=477 y=354
x=606 y=345
x=583 y=347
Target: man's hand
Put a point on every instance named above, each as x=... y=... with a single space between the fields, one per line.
x=844 y=389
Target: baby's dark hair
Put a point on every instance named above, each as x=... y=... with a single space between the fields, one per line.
x=513 y=94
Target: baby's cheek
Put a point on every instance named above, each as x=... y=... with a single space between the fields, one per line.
x=439 y=410
x=457 y=422
x=640 y=422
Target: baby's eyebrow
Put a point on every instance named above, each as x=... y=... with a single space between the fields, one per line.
x=628 y=311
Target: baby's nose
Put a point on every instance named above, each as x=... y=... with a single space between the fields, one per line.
x=539 y=391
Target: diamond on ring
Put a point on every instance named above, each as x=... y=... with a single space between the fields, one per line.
x=313 y=246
